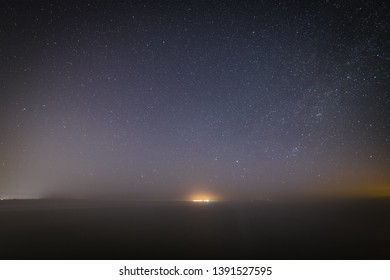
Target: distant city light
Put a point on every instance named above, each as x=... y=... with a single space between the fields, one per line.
x=201 y=200
x=19 y=197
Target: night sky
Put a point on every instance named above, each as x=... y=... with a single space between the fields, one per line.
x=164 y=99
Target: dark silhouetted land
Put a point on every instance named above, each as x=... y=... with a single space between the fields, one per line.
x=183 y=230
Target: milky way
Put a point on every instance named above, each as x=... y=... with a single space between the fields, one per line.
x=153 y=99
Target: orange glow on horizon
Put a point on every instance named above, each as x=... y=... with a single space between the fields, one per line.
x=203 y=196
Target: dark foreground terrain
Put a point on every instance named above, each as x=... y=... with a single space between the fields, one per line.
x=185 y=230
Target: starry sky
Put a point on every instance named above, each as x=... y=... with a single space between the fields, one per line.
x=160 y=99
